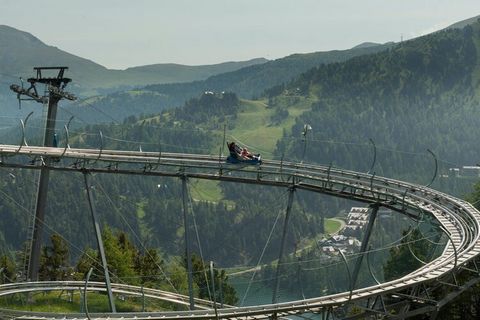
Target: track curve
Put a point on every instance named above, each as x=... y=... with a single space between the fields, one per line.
x=459 y=219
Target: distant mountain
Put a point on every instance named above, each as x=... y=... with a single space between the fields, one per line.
x=252 y=81
x=421 y=94
x=464 y=23
x=20 y=52
x=247 y=82
x=171 y=73
x=366 y=45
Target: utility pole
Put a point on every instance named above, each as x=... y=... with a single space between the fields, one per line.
x=55 y=86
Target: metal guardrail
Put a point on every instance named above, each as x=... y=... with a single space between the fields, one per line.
x=460 y=220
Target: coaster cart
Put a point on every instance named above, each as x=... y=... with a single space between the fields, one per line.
x=239 y=155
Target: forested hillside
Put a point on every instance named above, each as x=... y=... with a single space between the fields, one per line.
x=251 y=81
x=246 y=82
x=149 y=207
x=413 y=96
x=417 y=95
x=421 y=94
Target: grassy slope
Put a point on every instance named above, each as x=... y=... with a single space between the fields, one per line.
x=253 y=128
x=206 y=190
x=58 y=302
x=332 y=226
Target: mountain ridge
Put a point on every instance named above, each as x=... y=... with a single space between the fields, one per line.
x=421 y=94
x=463 y=23
x=247 y=82
x=172 y=64
x=20 y=51
x=416 y=95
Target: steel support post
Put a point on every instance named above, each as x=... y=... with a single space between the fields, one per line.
x=41 y=203
x=364 y=245
x=212 y=275
x=282 y=244
x=186 y=226
x=98 y=235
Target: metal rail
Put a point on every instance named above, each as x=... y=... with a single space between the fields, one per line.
x=460 y=220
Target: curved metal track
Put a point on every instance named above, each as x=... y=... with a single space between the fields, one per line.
x=459 y=219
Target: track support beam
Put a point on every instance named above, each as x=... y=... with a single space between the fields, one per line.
x=363 y=248
x=186 y=225
x=98 y=235
x=42 y=191
x=276 y=286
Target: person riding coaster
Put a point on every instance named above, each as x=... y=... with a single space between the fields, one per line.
x=241 y=154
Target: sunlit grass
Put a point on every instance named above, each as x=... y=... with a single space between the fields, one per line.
x=210 y=191
x=254 y=128
x=62 y=302
x=206 y=190
x=65 y=302
x=332 y=226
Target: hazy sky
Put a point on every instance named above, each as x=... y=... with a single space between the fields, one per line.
x=120 y=34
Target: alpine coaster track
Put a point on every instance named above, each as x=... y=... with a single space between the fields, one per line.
x=412 y=294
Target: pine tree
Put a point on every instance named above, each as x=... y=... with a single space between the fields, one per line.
x=54 y=263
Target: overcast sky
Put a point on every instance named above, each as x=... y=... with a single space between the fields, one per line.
x=120 y=34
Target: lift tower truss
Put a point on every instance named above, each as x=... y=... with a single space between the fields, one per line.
x=55 y=87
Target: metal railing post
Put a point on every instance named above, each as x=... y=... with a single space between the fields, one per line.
x=85 y=306
x=436 y=168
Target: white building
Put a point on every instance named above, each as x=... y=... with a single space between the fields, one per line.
x=357 y=218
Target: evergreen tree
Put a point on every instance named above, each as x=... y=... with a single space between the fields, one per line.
x=203 y=280
x=149 y=267
x=54 y=262
x=402 y=261
x=120 y=254
x=87 y=260
x=7 y=264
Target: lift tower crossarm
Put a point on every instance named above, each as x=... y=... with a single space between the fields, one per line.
x=55 y=86
x=28 y=92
